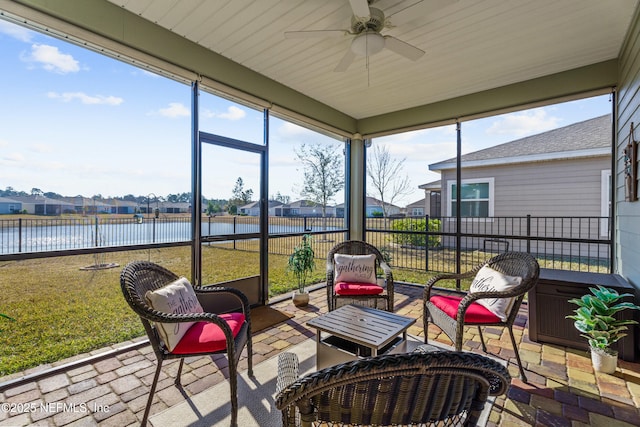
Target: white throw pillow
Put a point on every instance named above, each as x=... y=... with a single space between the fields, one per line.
x=177 y=297
x=490 y=280
x=355 y=268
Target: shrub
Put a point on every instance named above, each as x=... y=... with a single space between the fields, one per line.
x=416 y=225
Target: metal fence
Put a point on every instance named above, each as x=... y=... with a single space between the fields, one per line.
x=568 y=243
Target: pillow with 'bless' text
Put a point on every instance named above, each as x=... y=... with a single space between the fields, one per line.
x=177 y=297
x=489 y=280
x=355 y=268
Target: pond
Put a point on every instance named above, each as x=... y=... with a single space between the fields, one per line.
x=41 y=235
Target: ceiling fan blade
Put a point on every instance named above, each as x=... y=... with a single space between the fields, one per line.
x=312 y=34
x=402 y=48
x=419 y=9
x=346 y=60
x=360 y=9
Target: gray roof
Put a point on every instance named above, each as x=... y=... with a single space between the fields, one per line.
x=9 y=200
x=417 y=203
x=433 y=185
x=589 y=136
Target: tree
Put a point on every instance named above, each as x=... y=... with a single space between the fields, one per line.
x=323 y=173
x=385 y=176
x=240 y=196
x=281 y=198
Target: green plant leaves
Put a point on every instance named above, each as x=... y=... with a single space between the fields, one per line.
x=594 y=316
x=302 y=261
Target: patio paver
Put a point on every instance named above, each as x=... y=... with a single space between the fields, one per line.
x=563 y=389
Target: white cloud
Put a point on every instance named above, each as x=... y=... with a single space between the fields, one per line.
x=86 y=99
x=524 y=123
x=232 y=113
x=175 y=109
x=15 y=31
x=51 y=59
x=13 y=157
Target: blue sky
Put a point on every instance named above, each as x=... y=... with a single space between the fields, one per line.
x=77 y=122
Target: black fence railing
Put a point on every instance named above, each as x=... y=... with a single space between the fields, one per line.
x=568 y=243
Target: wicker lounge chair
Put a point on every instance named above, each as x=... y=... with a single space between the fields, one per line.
x=438 y=388
x=451 y=313
x=210 y=334
x=371 y=296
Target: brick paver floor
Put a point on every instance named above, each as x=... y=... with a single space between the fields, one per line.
x=110 y=388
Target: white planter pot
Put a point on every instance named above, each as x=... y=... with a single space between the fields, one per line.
x=604 y=361
x=300 y=299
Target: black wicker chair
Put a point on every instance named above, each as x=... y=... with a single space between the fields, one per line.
x=438 y=388
x=509 y=263
x=357 y=247
x=138 y=277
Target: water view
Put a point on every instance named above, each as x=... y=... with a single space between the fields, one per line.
x=41 y=235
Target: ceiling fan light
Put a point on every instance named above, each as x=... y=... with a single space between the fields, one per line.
x=367 y=44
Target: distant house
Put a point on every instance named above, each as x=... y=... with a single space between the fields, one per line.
x=87 y=205
x=40 y=205
x=373 y=208
x=547 y=174
x=432 y=198
x=10 y=206
x=175 y=207
x=305 y=208
x=550 y=174
x=117 y=206
x=253 y=208
x=416 y=208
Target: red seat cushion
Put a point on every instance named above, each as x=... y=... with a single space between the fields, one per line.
x=345 y=288
x=206 y=337
x=475 y=313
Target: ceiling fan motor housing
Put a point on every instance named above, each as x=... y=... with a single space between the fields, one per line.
x=375 y=22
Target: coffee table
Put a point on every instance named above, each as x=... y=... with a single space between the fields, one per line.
x=352 y=331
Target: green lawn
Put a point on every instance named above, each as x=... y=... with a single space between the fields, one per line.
x=62 y=310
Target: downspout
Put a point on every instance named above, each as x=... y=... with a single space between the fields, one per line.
x=612 y=186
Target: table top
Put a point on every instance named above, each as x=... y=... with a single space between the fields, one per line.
x=363 y=325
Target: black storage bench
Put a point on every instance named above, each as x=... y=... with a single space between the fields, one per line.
x=549 y=304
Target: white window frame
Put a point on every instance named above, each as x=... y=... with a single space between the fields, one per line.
x=490 y=181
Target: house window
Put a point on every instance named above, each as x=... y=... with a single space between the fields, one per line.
x=417 y=212
x=476 y=198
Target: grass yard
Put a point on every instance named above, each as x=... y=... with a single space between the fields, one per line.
x=62 y=310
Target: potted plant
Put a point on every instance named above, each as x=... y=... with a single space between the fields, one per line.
x=301 y=263
x=594 y=318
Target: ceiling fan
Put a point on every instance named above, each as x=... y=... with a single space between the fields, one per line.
x=366 y=25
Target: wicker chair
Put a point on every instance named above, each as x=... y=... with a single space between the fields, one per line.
x=357 y=247
x=465 y=310
x=138 y=277
x=438 y=388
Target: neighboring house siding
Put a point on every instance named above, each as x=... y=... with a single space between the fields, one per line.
x=561 y=188
x=628 y=214
x=10 y=207
x=541 y=189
